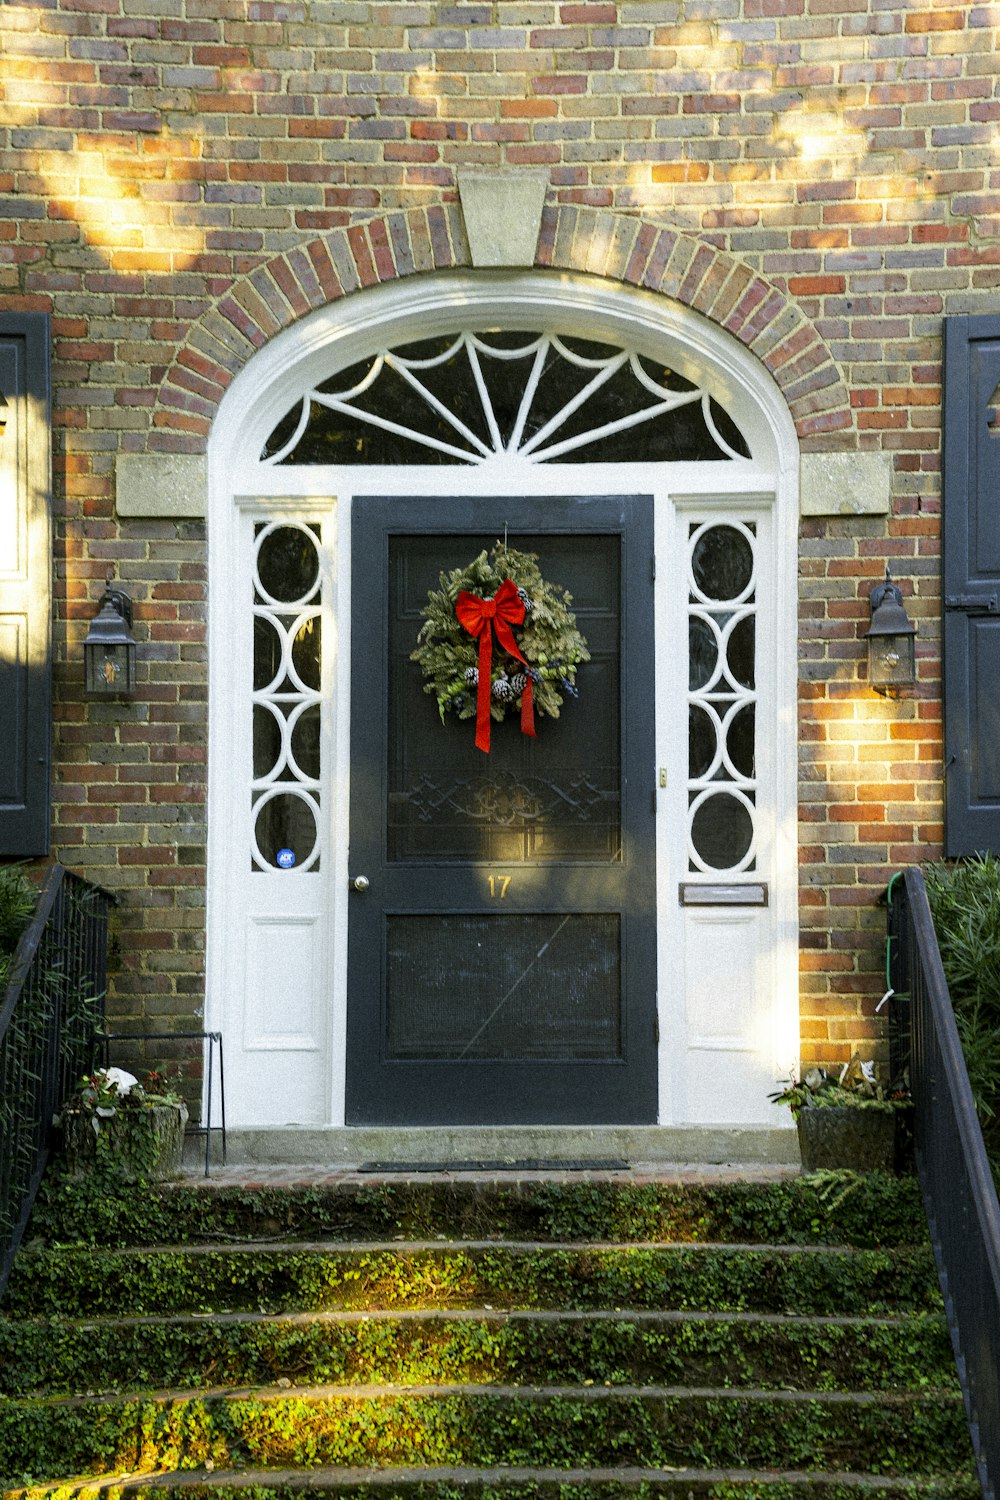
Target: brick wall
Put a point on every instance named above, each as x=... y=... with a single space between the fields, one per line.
x=180 y=177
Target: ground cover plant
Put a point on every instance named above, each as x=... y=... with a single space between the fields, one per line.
x=249 y=1333
x=530 y=1429
x=683 y=1487
x=497 y=1347
x=829 y=1281
x=880 y=1210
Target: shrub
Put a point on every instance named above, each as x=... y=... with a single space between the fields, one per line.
x=965 y=904
x=18 y=897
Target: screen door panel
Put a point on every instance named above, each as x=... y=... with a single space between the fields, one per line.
x=501 y=963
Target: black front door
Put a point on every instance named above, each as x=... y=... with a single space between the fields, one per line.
x=502 y=959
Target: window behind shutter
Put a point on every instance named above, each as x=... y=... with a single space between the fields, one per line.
x=25 y=585
x=972 y=584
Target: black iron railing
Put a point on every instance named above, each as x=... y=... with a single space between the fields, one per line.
x=954 y=1172
x=49 y=1015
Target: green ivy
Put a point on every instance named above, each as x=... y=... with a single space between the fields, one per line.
x=822 y=1281
x=687 y=1485
x=604 y=1429
x=880 y=1210
x=59 y=1356
x=208 y=1291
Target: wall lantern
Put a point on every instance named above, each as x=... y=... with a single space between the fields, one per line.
x=109 y=650
x=891 y=660
x=4 y=410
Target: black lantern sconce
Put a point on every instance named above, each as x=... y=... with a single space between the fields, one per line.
x=890 y=636
x=109 y=650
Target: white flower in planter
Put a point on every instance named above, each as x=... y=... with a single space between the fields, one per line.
x=124 y=1081
x=107 y=1085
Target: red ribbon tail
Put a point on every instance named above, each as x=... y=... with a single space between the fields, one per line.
x=528 y=709
x=483 y=697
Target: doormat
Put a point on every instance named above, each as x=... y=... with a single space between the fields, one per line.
x=605 y=1164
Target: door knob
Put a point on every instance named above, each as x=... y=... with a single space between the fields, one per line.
x=360 y=883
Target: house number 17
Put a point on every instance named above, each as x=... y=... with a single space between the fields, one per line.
x=499 y=885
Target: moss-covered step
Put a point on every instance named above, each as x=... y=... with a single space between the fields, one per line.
x=820 y=1280
x=888 y=1434
x=766 y=1351
x=509 y=1484
x=869 y=1211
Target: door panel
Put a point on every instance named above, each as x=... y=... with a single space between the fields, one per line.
x=494 y=972
x=446 y=1011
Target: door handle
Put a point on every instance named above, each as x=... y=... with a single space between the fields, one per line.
x=360 y=883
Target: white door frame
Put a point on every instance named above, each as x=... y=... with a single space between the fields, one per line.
x=764 y=488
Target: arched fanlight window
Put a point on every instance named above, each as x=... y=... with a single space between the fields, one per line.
x=469 y=397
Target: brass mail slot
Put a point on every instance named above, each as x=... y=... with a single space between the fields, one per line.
x=694 y=893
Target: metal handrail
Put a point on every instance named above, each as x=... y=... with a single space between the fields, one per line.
x=959 y=1195
x=49 y=1014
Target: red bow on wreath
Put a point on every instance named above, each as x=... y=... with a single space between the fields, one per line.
x=504 y=610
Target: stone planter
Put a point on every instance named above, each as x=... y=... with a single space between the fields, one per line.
x=146 y=1142
x=862 y=1139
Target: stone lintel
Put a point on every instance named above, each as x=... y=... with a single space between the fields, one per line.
x=161 y=484
x=845 y=484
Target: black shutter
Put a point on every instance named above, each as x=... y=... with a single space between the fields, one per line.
x=972 y=584
x=25 y=585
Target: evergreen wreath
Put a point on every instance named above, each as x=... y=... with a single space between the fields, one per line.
x=548 y=639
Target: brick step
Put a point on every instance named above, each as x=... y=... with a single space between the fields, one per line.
x=580 y=1340
x=889 y=1434
x=878 y=1210
x=513 y=1483
x=478 y=1345
x=75 y=1283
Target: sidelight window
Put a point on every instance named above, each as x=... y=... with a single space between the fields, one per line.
x=722 y=697
x=287 y=660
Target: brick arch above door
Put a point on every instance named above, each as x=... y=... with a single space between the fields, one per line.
x=633 y=251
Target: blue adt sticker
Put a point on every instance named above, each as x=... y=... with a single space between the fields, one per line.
x=286 y=858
